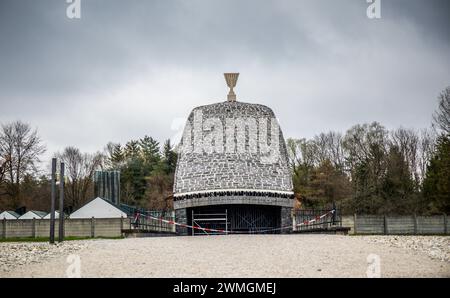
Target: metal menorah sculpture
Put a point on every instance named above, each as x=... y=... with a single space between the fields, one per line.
x=231 y=79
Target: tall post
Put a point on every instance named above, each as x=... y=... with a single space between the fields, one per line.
x=445 y=224
x=334 y=213
x=226 y=221
x=4 y=228
x=415 y=223
x=192 y=222
x=174 y=227
x=52 y=210
x=33 y=227
x=61 y=204
x=294 y=222
x=92 y=227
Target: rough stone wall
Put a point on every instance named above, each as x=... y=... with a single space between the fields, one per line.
x=286 y=219
x=233 y=199
x=232 y=161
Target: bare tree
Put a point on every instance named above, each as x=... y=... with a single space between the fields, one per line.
x=441 y=117
x=365 y=142
x=21 y=147
x=301 y=152
x=328 y=147
x=321 y=152
x=426 y=148
x=407 y=141
x=2 y=170
x=80 y=168
x=294 y=155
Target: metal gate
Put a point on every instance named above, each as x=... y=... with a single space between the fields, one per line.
x=250 y=218
x=236 y=218
x=218 y=221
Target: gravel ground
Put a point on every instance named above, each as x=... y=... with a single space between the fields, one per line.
x=437 y=248
x=17 y=254
x=233 y=256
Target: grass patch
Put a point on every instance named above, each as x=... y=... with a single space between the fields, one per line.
x=47 y=239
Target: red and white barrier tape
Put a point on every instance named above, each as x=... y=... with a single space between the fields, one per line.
x=306 y=222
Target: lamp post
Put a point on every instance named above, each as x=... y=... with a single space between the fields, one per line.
x=52 y=208
x=61 y=204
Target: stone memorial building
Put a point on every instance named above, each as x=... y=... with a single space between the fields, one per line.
x=233 y=161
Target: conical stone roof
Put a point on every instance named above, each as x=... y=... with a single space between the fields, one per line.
x=232 y=147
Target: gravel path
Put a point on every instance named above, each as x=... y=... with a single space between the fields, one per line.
x=233 y=256
x=17 y=254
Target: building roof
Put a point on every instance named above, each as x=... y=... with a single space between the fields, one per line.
x=33 y=213
x=40 y=213
x=98 y=208
x=12 y=213
x=237 y=163
x=49 y=215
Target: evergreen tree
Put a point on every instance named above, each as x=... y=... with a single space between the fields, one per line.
x=149 y=149
x=133 y=174
x=117 y=156
x=436 y=186
x=170 y=157
x=132 y=150
x=328 y=185
x=398 y=185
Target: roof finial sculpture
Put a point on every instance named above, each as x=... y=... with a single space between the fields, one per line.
x=231 y=79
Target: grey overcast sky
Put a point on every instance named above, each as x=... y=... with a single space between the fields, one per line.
x=132 y=68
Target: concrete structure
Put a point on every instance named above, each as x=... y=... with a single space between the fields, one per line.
x=107 y=186
x=98 y=208
x=33 y=214
x=233 y=157
x=85 y=227
x=9 y=215
x=397 y=225
x=112 y=227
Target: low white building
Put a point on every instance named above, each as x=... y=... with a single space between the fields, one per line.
x=33 y=214
x=9 y=215
x=48 y=215
x=99 y=208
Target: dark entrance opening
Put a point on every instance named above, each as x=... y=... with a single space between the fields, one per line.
x=240 y=218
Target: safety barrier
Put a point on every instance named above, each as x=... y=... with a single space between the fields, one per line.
x=172 y=222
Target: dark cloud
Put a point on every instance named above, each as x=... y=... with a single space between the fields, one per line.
x=126 y=69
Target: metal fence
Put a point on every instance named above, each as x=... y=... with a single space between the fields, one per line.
x=214 y=221
x=325 y=223
x=149 y=220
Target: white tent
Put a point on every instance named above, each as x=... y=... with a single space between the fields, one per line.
x=9 y=215
x=33 y=214
x=98 y=208
x=48 y=215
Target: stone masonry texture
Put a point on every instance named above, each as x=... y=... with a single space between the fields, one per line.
x=216 y=168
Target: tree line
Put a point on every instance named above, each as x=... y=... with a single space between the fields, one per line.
x=147 y=171
x=372 y=170
x=367 y=169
